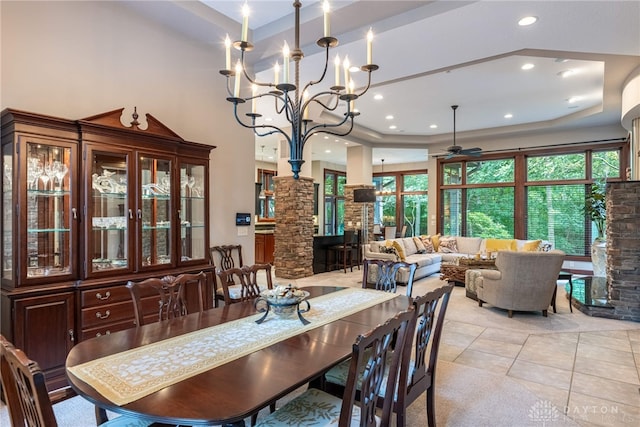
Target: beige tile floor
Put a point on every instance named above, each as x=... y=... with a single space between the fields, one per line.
x=589 y=367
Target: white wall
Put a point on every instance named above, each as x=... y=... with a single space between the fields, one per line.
x=75 y=59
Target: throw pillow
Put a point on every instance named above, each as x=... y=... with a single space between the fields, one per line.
x=448 y=245
x=389 y=250
x=418 y=242
x=531 y=246
x=435 y=239
x=495 y=245
x=428 y=244
x=399 y=248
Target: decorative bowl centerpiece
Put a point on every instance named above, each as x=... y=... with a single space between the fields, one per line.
x=284 y=301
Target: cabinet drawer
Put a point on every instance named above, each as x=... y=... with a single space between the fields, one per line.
x=106 y=330
x=104 y=296
x=107 y=314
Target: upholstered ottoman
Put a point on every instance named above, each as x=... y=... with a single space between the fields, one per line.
x=471 y=279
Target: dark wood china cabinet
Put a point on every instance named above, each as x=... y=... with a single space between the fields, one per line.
x=88 y=205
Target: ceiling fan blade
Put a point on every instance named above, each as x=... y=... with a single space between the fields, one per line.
x=450 y=155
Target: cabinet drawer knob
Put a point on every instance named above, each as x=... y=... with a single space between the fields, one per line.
x=105 y=297
x=107 y=332
x=72 y=335
x=103 y=316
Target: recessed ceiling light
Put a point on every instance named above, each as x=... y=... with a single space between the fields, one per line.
x=378 y=97
x=336 y=140
x=527 y=20
x=326 y=137
x=574 y=99
x=327 y=151
x=389 y=117
x=508 y=116
x=346 y=143
x=566 y=73
x=527 y=66
x=393 y=127
x=434 y=126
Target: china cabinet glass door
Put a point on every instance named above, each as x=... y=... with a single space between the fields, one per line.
x=192 y=212
x=155 y=211
x=49 y=210
x=109 y=212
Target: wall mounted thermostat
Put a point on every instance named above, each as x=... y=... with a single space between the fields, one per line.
x=243 y=219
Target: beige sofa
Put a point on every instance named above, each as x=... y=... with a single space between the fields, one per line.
x=523 y=281
x=429 y=263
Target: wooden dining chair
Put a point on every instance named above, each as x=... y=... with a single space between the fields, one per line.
x=224 y=257
x=372 y=354
x=383 y=274
x=173 y=295
x=26 y=395
x=419 y=358
x=242 y=284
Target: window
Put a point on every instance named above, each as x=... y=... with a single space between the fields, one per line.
x=334 y=182
x=266 y=198
x=485 y=198
x=402 y=201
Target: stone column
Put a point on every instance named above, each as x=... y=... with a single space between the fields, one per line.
x=293 y=256
x=623 y=249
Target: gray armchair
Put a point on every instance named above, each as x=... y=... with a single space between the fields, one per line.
x=524 y=281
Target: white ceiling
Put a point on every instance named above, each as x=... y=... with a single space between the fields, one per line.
x=434 y=54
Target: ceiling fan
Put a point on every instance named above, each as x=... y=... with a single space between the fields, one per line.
x=456 y=150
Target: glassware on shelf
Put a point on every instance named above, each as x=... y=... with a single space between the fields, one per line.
x=34 y=171
x=60 y=170
x=47 y=176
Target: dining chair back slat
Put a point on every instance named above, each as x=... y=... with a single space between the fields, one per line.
x=385 y=274
x=172 y=295
x=242 y=284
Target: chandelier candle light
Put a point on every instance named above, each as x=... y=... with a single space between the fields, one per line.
x=289 y=99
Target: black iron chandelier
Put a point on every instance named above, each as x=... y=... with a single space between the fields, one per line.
x=288 y=98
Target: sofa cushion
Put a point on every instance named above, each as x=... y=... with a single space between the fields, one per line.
x=375 y=246
x=423 y=259
x=528 y=245
x=409 y=247
x=494 y=245
x=469 y=245
x=419 y=245
x=448 y=245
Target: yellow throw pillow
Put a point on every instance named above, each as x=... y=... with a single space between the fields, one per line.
x=399 y=249
x=435 y=239
x=531 y=246
x=494 y=245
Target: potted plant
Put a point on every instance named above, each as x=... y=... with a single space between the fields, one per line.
x=596 y=209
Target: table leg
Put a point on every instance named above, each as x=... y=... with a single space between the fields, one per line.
x=570 y=294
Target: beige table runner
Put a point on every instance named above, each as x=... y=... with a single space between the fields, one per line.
x=128 y=376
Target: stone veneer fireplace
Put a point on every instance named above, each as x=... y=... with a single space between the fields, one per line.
x=623 y=249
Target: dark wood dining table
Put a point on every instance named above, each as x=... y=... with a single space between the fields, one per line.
x=232 y=392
